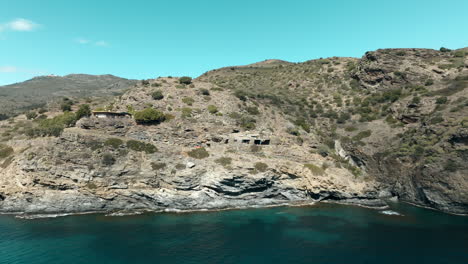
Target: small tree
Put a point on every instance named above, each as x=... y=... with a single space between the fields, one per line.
x=66 y=106
x=83 y=111
x=157 y=95
x=185 y=80
x=31 y=115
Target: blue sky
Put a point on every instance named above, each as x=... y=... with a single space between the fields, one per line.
x=146 y=39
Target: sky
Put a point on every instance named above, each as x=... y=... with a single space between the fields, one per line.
x=146 y=39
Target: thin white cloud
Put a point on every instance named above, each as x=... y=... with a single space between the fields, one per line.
x=22 y=24
x=19 y=24
x=82 y=40
x=101 y=43
x=8 y=69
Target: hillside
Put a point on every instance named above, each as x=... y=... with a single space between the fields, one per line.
x=39 y=91
x=389 y=126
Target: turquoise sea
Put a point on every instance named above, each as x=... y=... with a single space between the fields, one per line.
x=324 y=233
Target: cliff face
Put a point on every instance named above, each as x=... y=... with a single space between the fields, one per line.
x=424 y=159
x=390 y=125
x=193 y=161
x=400 y=115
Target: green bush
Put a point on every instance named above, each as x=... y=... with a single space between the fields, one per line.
x=361 y=135
x=255 y=148
x=459 y=53
x=252 y=110
x=400 y=53
x=188 y=100
x=247 y=122
x=52 y=127
x=224 y=161
x=157 y=95
x=149 y=116
x=441 y=100
x=416 y=100
x=260 y=166
x=198 y=153
x=5 y=151
x=108 y=159
x=185 y=80
x=180 y=166
x=241 y=95
x=212 y=109
x=343 y=117
x=316 y=170
x=158 y=166
x=429 y=82
x=186 y=112
x=442 y=49
x=66 y=105
x=141 y=146
x=451 y=166
x=436 y=120
x=204 y=91
x=31 y=115
x=293 y=131
x=83 y=111
x=304 y=124
x=113 y=142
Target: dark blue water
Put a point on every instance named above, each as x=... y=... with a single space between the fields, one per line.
x=317 y=234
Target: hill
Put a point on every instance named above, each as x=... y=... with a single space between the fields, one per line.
x=39 y=91
x=389 y=126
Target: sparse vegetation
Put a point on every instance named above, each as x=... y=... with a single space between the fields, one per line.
x=252 y=110
x=158 y=165
x=113 y=142
x=186 y=112
x=316 y=170
x=5 y=151
x=188 y=100
x=52 y=127
x=198 y=153
x=261 y=167
x=141 y=146
x=224 y=161
x=361 y=135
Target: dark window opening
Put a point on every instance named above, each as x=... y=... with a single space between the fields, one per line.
x=246 y=141
x=257 y=142
x=265 y=142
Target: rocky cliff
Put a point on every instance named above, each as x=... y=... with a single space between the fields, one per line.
x=391 y=125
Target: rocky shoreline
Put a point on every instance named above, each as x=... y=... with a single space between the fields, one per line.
x=376 y=204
